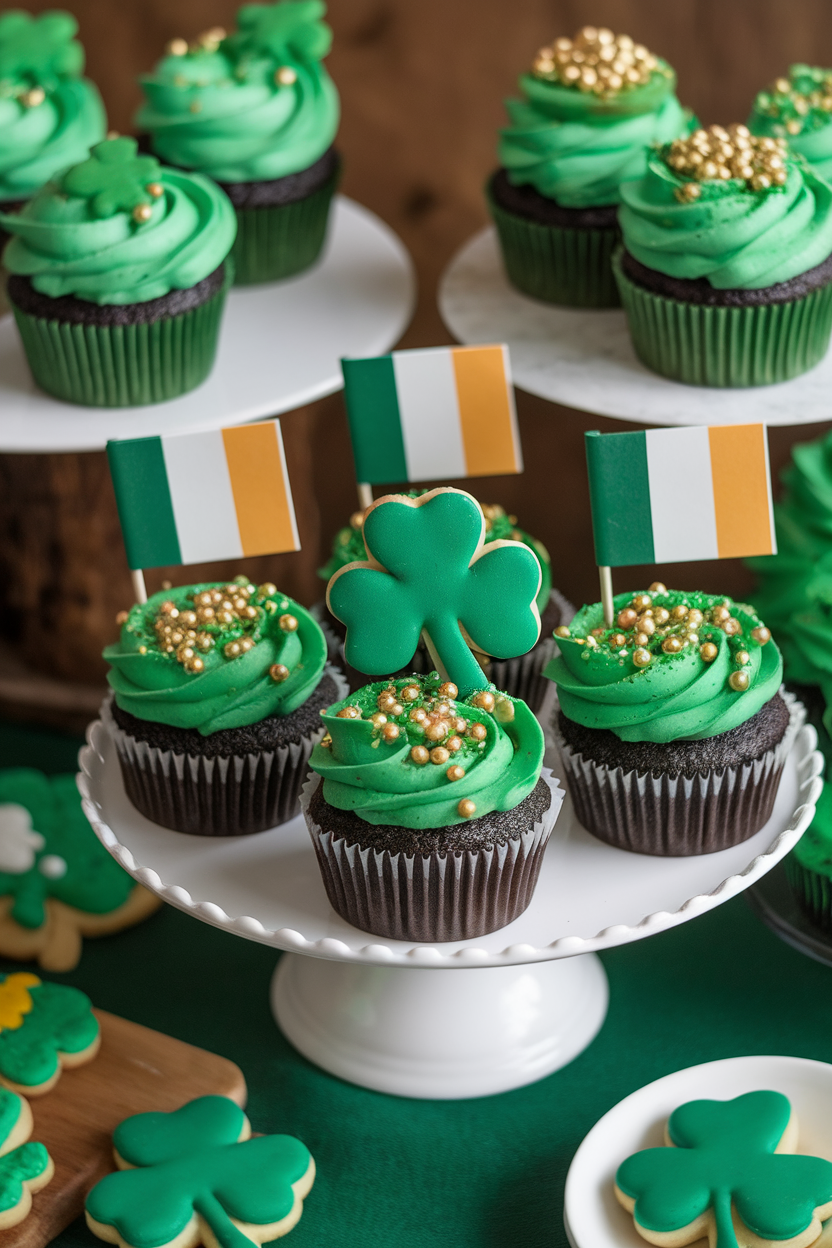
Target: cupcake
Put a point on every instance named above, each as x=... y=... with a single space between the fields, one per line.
x=590 y=108
x=257 y=112
x=672 y=727
x=217 y=694
x=725 y=272
x=50 y=116
x=809 y=865
x=799 y=109
x=429 y=813
x=521 y=677
x=118 y=278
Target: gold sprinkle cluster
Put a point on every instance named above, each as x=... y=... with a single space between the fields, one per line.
x=225 y=618
x=425 y=714
x=792 y=101
x=597 y=61
x=646 y=629
x=718 y=154
x=208 y=41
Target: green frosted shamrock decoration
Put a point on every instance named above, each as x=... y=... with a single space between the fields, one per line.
x=196 y=1176
x=115 y=179
x=39 y=51
x=291 y=31
x=732 y=1171
x=25 y=1167
x=429 y=570
x=43 y=1028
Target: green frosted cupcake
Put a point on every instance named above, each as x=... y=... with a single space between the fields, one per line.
x=799 y=108
x=725 y=273
x=257 y=112
x=589 y=110
x=809 y=865
x=119 y=272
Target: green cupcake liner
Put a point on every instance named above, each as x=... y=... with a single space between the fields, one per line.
x=283 y=240
x=123 y=365
x=555 y=264
x=812 y=891
x=721 y=346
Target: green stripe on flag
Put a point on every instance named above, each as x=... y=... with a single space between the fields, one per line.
x=137 y=466
x=375 y=423
x=619 y=494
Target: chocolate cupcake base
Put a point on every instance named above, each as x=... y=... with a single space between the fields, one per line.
x=677 y=815
x=432 y=894
x=220 y=793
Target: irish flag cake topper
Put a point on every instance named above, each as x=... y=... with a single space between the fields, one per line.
x=429 y=572
x=674 y=495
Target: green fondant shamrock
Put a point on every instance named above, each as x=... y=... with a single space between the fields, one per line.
x=289 y=31
x=725 y=1156
x=24 y=1167
x=113 y=178
x=43 y=1027
x=429 y=571
x=39 y=50
x=198 y=1165
x=48 y=849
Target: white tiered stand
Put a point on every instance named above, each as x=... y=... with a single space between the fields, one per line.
x=449 y=1020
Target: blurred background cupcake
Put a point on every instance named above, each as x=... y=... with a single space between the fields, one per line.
x=725 y=272
x=799 y=108
x=217 y=695
x=589 y=110
x=257 y=112
x=809 y=865
x=118 y=278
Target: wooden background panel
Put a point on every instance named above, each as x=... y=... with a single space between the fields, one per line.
x=422 y=86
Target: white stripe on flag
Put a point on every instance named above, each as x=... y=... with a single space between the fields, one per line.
x=681 y=495
x=200 y=491
x=429 y=411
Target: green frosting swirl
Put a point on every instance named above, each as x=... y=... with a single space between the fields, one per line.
x=677 y=696
x=155 y=685
x=577 y=148
x=801 y=113
x=81 y=235
x=49 y=115
x=348 y=545
x=735 y=237
x=382 y=783
x=814 y=849
x=258 y=106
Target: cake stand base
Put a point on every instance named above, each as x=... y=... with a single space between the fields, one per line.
x=439 y=1034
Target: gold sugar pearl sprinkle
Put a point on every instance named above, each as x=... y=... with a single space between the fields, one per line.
x=439 y=755
x=761 y=634
x=436 y=730
x=742 y=657
x=657 y=588
x=453 y=744
x=708 y=651
x=448 y=690
x=467 y=808
x=418 y=715
x=739 y=681
x=455 y=772
x=232 y=649
x=483 y=701
x=598 y=61
x=562 y=631
x=285 y=76
x=732 y=626
x=348 y=712
x=410 y=693
x=288 y=623
x=420 y=755
x=626 y=618
x=33 y=97
x=390 y=732
x=478 y=732
x=155 y=190
x=142 y=213
x=122 y=617
x=672 y=645
x=378 y=719
x=642 y=658
x=266 y=590
x=279 y=672
x=177 y=47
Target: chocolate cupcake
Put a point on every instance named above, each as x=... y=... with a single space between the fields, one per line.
x=118 y=278
x=799 y=108
x=590 y=109
x=257 y=112
x=217 y=695
x=432 y=813
x=673 y=728
x=520 y=677
x=809 y=865
x=726 y=268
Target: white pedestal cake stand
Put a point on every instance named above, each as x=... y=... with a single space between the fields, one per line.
x=583 y=358
x=280 y=347
x=450 y=1020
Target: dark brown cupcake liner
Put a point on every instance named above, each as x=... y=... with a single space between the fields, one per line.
x=232 y=796
x=431 y=897
x=677 y=816
x=812 y=891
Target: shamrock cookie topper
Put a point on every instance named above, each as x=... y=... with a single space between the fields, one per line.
x=25 y=1167
x=428 y=571
x=731 y=1175
x=114 y=178
x=195 y=1176
x=43 y=1028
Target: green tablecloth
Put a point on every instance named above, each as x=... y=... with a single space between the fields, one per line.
x=486 y=1173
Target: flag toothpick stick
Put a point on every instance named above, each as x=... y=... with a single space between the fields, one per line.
x=365 y=495
x=139 y=587
x=606 y=595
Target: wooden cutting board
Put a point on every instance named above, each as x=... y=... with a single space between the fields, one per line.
x=135 y=1070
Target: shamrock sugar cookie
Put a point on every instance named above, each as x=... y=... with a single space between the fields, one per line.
x=195 y=1176
x=25 y=1167
x=730 y=1174
x=57 y=882
x=43 y=1028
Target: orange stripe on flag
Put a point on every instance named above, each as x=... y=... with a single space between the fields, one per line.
x=260 y=486
x=742 y=499
x=486 y=411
